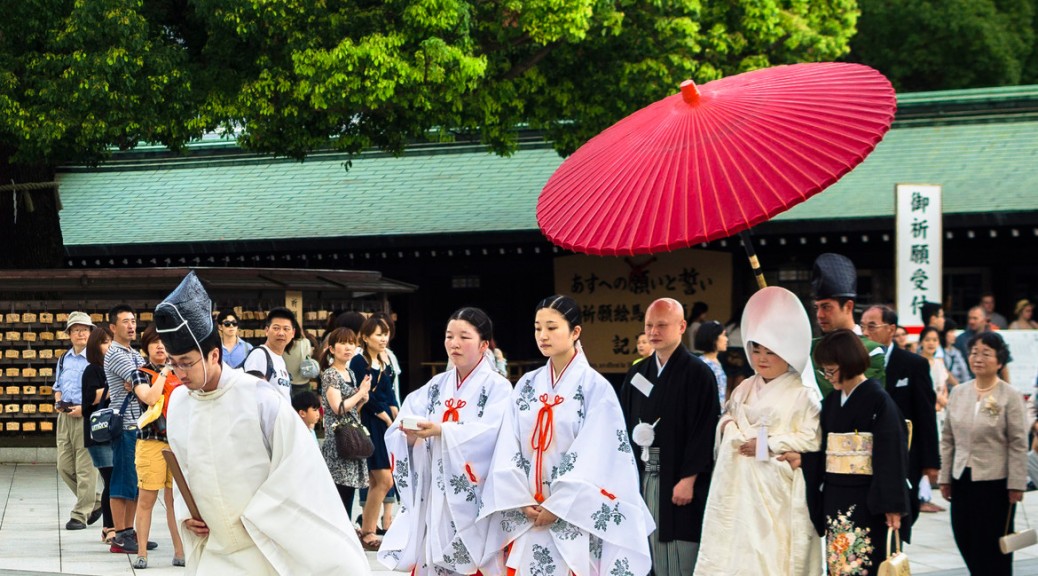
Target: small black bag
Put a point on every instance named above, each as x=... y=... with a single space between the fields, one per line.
x=107 y=423
x=352 y=439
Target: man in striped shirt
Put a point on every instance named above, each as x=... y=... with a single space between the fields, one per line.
x=121 y=364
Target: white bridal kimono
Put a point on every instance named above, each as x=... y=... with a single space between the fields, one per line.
x=756 y=514
x=566 y=446
x=757 y=522
x=260 y=484
x=439 y=479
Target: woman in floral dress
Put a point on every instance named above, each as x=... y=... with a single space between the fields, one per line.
x=341 y=398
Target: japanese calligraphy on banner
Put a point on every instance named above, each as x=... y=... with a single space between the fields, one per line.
x=614 y=292
x=919 y=253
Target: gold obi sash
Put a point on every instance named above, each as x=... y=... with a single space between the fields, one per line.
x=849 y=453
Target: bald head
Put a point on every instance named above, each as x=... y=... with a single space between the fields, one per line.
x=668 y=307
x=664 y=325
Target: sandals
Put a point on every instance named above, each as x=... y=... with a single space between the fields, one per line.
x=107 y=535
x=141 y=563
x=178 y=561
x=371 y=545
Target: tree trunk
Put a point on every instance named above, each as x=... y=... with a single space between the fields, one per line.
x=30 y=232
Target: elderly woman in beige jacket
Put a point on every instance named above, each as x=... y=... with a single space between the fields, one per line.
x=984 y=457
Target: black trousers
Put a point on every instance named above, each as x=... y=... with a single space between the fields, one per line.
x=106 y=502
x=978 y=517
x=346 y=494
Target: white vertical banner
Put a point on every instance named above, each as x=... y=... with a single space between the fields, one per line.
x=920 y=259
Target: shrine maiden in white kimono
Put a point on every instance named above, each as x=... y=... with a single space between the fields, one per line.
x=439 y=480
x=260 y=484
x=757 y=521
x=564 y=446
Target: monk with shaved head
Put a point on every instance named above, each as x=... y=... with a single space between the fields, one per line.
x=671 y=409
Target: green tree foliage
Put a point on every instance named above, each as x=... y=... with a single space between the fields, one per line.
x=948 y=44
x=78 y=77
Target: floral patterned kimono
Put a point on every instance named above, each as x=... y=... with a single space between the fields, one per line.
x=439 y=479
x=563 y=445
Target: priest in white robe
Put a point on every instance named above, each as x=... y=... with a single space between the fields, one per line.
x=757 y=521
x=441 y=445
x=563 y=455
x=266 y=503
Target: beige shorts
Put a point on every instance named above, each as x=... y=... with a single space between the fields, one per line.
x=152 y=472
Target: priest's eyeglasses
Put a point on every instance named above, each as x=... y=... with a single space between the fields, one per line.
x=182 y=367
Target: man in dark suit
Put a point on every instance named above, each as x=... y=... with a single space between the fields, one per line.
x=910 y=385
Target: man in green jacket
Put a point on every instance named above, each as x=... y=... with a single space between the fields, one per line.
x=834 y=286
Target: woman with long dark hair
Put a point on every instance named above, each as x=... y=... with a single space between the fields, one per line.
x=562 y=494
x=95 y=397
x=442 y=444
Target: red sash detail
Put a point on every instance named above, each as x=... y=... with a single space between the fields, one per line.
x=472 y=475
x=543 y=434
x=608 y=495
x=452 y=415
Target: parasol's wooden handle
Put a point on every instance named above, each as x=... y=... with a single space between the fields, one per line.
x=178 y=477
x=754 y=262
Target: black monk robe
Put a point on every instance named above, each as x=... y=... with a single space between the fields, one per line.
x=684 y=399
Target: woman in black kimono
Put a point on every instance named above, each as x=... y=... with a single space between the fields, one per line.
x=864 y=491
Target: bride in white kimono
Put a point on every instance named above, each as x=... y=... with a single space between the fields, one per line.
x=441 y=445
x=563 y=490
x=757 y=520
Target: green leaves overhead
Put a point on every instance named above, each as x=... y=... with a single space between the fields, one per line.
x=291 y=76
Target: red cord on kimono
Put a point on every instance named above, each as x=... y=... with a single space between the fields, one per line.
x=543 y=433
x=452 y=415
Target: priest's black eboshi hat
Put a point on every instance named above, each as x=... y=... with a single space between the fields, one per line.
x=834 y=276
x=185 y=318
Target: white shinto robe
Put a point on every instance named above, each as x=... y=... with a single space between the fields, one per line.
x=756 y=514
x=589 y=480
x=439 y=480
x=260 y=484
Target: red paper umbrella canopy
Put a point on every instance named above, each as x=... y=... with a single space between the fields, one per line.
x=716 y=159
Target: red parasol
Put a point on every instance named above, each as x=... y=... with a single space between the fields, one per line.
x=715 y=160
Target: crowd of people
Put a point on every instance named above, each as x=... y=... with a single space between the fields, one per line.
x=820 y=455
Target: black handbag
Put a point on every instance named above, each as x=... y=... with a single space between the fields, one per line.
x=107 y=423
x=352 y=439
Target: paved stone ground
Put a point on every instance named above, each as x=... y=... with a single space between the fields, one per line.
x=34 y=506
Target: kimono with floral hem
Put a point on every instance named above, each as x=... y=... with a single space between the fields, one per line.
x=587 y=478
x=439 y=479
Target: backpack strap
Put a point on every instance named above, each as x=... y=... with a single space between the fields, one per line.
x=270 y=362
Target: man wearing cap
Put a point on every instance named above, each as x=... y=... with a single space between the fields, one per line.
x=266 y=503
x=834 y=284
x=74 y=464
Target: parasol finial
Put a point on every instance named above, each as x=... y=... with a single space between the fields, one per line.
x=690 y=92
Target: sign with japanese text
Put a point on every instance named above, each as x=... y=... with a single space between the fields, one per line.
x=614 y=292
x=294 y=302
x=920 y=258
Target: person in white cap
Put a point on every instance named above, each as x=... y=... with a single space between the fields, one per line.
x=771 y=413
x=74 y=464
x=266 y=503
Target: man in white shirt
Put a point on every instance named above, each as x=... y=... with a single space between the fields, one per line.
x=265 y=501
x=266 y=361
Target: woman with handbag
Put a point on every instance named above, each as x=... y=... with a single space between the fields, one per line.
x=341 y=398
x=984 y=457
x=442 y=444
x=864 y=488
x=95 y=397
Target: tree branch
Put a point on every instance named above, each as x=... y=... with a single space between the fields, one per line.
x=530 y=62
